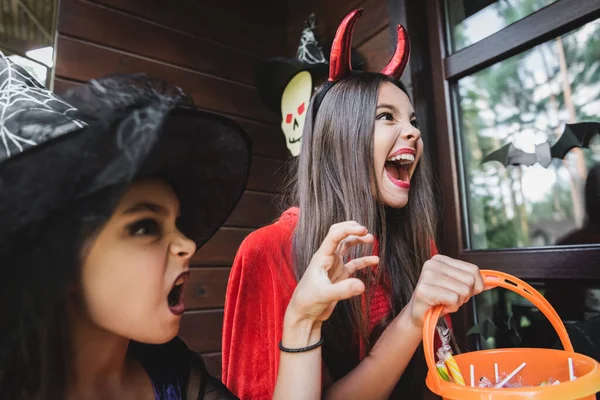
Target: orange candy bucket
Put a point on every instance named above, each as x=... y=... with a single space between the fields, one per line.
x=541 y=363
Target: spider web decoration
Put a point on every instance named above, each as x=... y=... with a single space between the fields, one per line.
x=29 y=113
x=309 y=50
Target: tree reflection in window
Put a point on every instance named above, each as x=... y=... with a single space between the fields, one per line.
x=527 y=100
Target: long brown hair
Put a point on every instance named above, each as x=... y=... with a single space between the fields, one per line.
x=336 y=182
x=42 y=261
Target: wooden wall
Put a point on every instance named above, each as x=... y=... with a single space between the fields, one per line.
x=210 y=48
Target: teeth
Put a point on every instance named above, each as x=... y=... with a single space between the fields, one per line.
x=408 y=158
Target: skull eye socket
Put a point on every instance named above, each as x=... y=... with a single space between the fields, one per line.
x=300 y=109
x=288 y=119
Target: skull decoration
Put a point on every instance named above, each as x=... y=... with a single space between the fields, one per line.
x=286 y=85
x=294 y=102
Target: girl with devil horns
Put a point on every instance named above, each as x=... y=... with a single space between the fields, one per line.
x=353 y=267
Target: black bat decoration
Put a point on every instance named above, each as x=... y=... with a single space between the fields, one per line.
x=574 y=135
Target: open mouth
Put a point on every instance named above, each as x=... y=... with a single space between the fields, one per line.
x=175 y=297
x=398 y=168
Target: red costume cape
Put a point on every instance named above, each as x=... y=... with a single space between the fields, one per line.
x=260 y=287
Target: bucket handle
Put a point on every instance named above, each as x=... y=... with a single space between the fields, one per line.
x=493 y=279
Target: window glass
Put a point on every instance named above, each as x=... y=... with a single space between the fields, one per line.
x=473 y=20
x=505 y=319
x=514 y=120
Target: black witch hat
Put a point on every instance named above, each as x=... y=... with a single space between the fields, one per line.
x=55 y=151
x=274 y=74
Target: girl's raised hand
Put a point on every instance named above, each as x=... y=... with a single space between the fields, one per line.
x=327 y=278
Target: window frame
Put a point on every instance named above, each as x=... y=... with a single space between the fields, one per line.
x=549 y=262
x=433 y=76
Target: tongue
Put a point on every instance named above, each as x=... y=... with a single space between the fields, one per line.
x=403 y=173
x=393 y=170
x=174 y=296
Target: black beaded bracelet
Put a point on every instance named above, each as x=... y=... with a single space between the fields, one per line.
x=302 y=349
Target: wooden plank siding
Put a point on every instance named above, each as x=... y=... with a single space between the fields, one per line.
x=81 y=60
x=210 y=49
x=212 y=22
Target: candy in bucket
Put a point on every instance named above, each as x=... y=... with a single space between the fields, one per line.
x=547 y=374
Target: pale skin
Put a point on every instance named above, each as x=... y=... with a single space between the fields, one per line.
x=327 y=280
x=127 y=272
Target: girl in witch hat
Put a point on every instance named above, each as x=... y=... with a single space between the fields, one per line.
x=365 y=221
x=105 y=194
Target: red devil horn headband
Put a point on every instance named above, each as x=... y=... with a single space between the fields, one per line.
x=339 y=59
x=400 y=58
